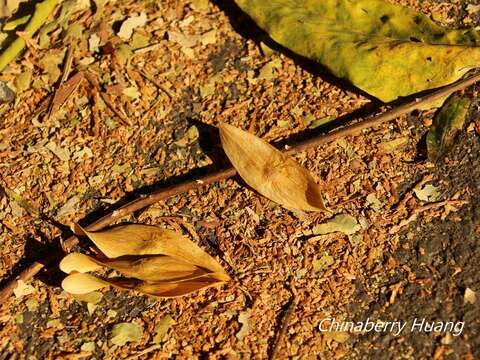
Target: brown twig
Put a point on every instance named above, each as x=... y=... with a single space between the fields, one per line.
x=144 y=352
x=286 y=318
x=165 y=193
x=53 y=102
x=93 y=80
x=67 y=66
x=108 y=219
x=389 y=115
x=64 y=91
x=159 y=85
x=419 y=210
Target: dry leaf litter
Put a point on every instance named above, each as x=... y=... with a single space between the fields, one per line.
x=156 y=73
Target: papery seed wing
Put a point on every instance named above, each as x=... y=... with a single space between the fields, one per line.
x=151 y=240
x=80 y=263
x=78 y=283
x=273 y=174
x=155 y=268
x=180 y=288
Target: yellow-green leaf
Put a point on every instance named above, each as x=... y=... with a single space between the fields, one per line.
x=394 y=145
x=126 y=332
x=13 y=24
x=273 y=174
x=384 y=49
x=323 y=263
x=448 y=122
x=88 y=346
x=92 y=298
x=346 y=224
x=162 y=328
x=428 y=193
x=338 y=336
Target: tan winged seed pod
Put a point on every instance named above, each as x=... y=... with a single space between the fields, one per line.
x=273 y=174
x=155 y=261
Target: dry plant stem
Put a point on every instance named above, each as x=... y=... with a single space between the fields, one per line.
x=419 y=210
x=144 y=352
x=92 y=79
x=163 y=194
x=108 y=219
x=68 y=63
x=66 y=71
x=387 y=116
x=283 y=327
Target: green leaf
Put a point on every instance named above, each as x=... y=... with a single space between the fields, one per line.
x=162 y=328
x=132 y=92
x=23 y=80
x=323 y=263
x=428 y=193
x=269 y=70
x=446 y=125
x=394 y=145
x=13 y=24
x=386 y=50
x=199 y=5
x=346 y=224
x=93 y=297
x=88 y=346
x=126 y=332
x=42 y=12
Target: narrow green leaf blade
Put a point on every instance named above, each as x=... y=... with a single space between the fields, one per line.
x=447 y=123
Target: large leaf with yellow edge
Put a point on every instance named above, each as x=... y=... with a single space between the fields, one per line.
x=384 y=49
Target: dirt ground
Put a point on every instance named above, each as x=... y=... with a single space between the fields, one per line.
x=144 y=118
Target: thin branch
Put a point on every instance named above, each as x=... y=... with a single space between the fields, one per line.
x=55 y=103
x=170 y=191
x=286 y=318
x=419 y=210
x=93 y=80
x=392 y=114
